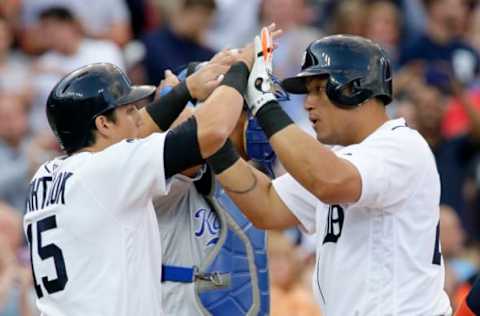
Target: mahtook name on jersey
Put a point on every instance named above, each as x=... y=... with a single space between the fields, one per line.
x=47 y=190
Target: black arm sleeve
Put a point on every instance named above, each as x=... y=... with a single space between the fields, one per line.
x=182 y=150
x=166 y=109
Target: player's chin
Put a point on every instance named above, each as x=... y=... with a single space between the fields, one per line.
x=323 y=137
x=134 y=133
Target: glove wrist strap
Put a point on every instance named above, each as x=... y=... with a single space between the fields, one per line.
x=272 y=118
x=237 y=77
x=166 y=109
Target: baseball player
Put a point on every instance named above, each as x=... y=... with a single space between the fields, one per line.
x=199 y=226
x=374 y=204
x=90 y=223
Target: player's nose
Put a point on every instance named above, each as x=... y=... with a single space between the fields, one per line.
x=308 y=104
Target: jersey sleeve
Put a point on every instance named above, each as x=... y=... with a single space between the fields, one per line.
x=132 y=170
x=389 y=167
x=299 y=201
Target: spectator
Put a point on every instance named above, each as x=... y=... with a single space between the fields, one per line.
x=451 y=155
x=15 y=276
x=14 y=166
x=414 y=22
x=452 y=239
x=68 y=49
x=349 y=18
x=383 y=24
x=442 y=44
x=473 y=34
x=104 y=20
x=467 y=297
x=180 y=41
x=144 y=16
x=14 y=66
x=235 y=23
x=289 y=295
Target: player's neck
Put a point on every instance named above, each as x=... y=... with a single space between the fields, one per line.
x=368 y=123
x=99 y=146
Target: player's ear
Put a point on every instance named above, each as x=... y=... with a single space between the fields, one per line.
x=103 y=125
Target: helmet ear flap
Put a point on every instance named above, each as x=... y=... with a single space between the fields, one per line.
x=387 y=71
x=346 y=95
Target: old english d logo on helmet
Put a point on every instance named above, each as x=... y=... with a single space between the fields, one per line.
x=345 y=61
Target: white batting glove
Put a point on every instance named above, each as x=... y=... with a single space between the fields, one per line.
x=260 y=86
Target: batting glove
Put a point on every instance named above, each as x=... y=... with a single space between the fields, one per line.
x=260 y=87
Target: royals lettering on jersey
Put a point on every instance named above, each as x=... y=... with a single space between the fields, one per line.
x=47 y=190
x=207 y=224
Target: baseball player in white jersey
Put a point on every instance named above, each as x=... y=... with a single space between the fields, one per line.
x=94 y=240
x=374 y=204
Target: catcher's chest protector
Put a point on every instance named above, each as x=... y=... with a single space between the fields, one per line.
x=233 y=279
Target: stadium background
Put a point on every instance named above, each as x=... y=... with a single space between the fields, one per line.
x=434 y=46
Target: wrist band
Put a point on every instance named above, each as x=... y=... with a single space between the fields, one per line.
x=165 y=90
x=237 y=77
x=224 y=158
x=272 y=118
x=192 y=67
x=166 y=109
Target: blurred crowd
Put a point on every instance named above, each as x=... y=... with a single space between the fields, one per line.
x=434 y=46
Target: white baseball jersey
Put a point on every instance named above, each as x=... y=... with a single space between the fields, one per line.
x=381 y=254
x=189 y=229
x=93 y=233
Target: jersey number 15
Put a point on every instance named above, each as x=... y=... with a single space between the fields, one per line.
x=45 y=252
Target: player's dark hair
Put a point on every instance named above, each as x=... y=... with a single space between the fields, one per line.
x=57 y=13
x=91 y=137
x=208 y=4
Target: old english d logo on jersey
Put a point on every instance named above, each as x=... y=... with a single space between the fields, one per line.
x=334 y=225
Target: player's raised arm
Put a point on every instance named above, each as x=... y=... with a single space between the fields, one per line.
x=173 y=96
x=251 y=190
x=205 y=132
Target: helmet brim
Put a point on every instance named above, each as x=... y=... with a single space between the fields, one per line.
x=298 y=83
x=136 y=94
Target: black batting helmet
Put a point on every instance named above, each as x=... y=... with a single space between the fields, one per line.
x=348 y=61
x=81 y=96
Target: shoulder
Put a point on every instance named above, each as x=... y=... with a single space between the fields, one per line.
x=126 y=147
x=44 y=170
x=49 y=167
x=392 y=143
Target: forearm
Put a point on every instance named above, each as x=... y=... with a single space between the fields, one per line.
x=251 y=190
x=160 y=114
x=218 y=115
x=253 y=193
x=315 y=166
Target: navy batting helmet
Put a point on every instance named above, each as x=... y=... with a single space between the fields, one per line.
x=81 y=96
x=351 y=62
